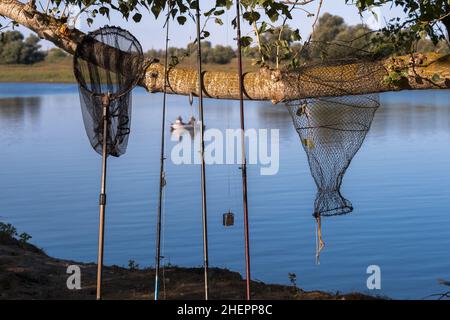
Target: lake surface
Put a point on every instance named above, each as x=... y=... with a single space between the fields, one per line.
x=399 y=184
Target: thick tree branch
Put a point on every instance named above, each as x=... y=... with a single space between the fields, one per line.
x=276 y=86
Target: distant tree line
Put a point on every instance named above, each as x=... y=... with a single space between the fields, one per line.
x=218 y=54
x=14 y=48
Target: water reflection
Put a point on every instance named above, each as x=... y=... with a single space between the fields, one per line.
x=402 y=115
x=331 y=131
x=14 y=114
x=16 y=109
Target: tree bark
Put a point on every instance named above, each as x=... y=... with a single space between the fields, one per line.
x=428 y=72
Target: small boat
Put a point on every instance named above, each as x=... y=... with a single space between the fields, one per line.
x=179 y=124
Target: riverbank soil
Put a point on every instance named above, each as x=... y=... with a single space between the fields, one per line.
x=26 y=272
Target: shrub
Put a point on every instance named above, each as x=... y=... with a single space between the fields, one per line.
x=15 y=49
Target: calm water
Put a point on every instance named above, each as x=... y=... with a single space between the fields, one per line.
x=399 y=184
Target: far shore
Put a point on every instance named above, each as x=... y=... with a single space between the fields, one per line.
x=61 y=71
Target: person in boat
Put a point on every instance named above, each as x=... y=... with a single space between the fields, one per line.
x=179 y=124
x=192 y=121
x=179 y=121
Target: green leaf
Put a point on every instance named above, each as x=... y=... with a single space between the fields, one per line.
x=246 y=41
x=181 y=20
x=194 y=4
x=221 y=3
x=251 y=17
x=156 y=10
x=262 y=28
x=210 y=12
x=436 y=77
x=295 y=36
x=104 y=11
x=137 y=17
x=273 y=15
x=206 y=34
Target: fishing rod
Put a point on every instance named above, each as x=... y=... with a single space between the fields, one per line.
x=202 y=149
x=102 y=200
x=244 y=157
x=162 y=174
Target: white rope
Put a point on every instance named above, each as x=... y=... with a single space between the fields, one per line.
x=319 y=241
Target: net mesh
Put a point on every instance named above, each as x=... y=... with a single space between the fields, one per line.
x=333 y=122
x=320 y=74
x=108 y=62
x=331 y=131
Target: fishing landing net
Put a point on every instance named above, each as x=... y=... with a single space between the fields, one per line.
x=108 y=63
x=332 y=131
x=333 y=128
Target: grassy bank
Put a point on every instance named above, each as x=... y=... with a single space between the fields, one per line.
x=59 y=71
x=26 y=272
x=62 y=71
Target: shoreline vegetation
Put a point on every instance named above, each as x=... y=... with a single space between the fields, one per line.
x=61 y=71
x=27 y=272
x=41 y=72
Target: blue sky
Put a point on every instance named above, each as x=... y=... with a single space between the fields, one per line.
x=151 y=34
